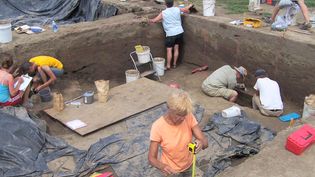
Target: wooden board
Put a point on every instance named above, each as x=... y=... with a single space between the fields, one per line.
x=124 y=101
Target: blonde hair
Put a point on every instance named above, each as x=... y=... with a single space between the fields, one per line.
x=180 y=103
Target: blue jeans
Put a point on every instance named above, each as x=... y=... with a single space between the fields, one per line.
x=57 y=72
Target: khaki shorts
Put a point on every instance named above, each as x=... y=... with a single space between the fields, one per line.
x=218 y=92
x=257 y=105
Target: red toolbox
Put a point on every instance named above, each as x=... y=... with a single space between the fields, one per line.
x=299 y=140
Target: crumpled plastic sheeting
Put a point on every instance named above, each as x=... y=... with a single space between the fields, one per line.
x=42 y=12
x=241 y=129
x=230 y=138
x=217 y=166
x=221 y=133
x=26 y=150
x=21 y=113
x=283 y=21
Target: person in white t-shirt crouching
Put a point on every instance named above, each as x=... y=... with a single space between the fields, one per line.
x=267 y=98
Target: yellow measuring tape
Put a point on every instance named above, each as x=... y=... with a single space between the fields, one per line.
x=192 y=148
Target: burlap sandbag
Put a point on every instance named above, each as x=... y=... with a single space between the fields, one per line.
x=310 y=100
x=58 y=102
x=102 y=87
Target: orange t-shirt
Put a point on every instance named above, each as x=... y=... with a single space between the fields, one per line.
x=174 y=141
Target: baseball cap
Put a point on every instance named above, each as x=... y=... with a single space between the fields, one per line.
x=260 y=72
x=241 y=70
x=169 y=1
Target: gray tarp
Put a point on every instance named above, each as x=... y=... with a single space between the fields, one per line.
x=41 y=12
x=229 y=139
x=26 y=150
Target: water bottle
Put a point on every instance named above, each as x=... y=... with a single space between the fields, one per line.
x=54 y=26
x=181 y=6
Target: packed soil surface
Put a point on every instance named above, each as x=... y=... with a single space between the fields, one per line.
x=182 y=76
x=71 y=88
x=81 y=78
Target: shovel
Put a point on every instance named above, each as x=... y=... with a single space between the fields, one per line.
x=199 y=69
x=76 y=98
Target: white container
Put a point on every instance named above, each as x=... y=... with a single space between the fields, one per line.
x=132 y=75
x=159 y=65
x=144 y=57
x=308 y=112
x=5 y=32
x=231 y=112
x=181 y=6
x=208 y=8
x=253 y=5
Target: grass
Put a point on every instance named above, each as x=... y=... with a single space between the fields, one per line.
x=310 y=3
x=241 y=6
x=234 y=6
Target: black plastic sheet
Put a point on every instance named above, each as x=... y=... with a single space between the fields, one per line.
x=232 y=138
x=42 y=12
x=26 y=150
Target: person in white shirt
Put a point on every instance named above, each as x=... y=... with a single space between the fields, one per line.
x=267 y=98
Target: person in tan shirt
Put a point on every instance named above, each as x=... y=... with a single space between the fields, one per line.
x=173 y=132
x=221 y=82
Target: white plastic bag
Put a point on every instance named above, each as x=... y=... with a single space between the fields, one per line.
x=231 y=112
x=285 y=3
x=280 y=24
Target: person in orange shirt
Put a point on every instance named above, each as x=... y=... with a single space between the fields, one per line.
x=173 y=132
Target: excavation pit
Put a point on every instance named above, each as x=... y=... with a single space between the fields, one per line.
x=100 y=50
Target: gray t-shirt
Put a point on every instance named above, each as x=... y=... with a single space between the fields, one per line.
x=220 y=78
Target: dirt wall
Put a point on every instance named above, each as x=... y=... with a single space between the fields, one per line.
x=100 y=49
x=288 y=60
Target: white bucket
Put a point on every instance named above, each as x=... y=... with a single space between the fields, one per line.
x=159 y=65
x=309 y=108
x=208 y=8
x=253 y=5
x=231 y=112
x=132 y=75
x=5 y=32
x=144 y=57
